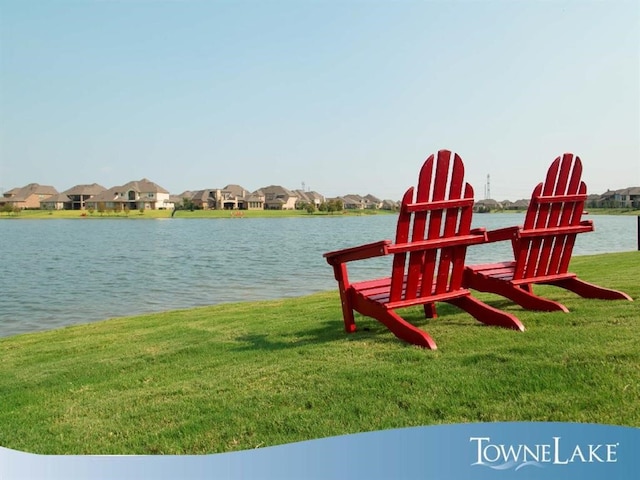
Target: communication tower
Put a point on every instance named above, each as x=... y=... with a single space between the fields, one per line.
x=487 y=188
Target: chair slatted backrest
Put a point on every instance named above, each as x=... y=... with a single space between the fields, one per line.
x=428 y=246
x=552 y=221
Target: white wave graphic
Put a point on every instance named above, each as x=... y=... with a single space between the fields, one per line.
x=529 y=464
x=511 y=464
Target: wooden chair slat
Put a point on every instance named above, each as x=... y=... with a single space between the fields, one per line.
x=427 y=206
x=568 y=183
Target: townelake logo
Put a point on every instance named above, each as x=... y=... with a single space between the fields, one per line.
x=500 y=456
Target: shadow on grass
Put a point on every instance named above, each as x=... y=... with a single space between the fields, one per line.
x=370 y=330
x=327 y=332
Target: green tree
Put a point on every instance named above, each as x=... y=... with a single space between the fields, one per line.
x=187 y=204
x=338 y=205
x=9 y=208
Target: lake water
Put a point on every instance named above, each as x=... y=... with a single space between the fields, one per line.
x=63 y=272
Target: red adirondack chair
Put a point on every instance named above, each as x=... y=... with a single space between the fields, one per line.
x=432 y=236
x=542 y=248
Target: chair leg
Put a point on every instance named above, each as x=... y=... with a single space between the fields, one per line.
x=589 y=290
x=527 y=287
x=404 y=330
x=522 y=294
x=347 y=312
x=486 y=313
x=430 y=310
x=531 y=301
x=394 y=322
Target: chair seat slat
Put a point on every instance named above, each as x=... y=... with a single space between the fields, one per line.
x=560 y=198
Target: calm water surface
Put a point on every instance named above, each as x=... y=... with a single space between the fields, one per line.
x=62 y=272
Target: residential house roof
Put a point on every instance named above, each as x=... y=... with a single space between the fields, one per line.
x=12 y=192
x=257 y=196
x=390 y=204
x=109 y=195
x=621 y=191
x=490 y=202
x=59 y=198
x=277 y=191
x=92 y=189
x=352 y=199
x=236 y=190
x=308 y=196
x=144 y=185
x=522 y=203
x=21 y=194
x=202 y=195
x=185 y=194
x=177 y=199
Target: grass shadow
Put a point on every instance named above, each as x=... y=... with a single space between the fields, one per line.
x=327 y=332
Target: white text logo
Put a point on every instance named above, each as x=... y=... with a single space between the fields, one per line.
x=500 y=456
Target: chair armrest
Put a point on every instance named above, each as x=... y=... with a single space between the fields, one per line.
x=370 y=250
x=501 y=234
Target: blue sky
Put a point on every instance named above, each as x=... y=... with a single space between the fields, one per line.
x=346 y=96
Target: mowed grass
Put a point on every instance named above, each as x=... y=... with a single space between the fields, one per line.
x=247 y=375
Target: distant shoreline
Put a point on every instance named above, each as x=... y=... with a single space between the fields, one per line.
x=155 y=214
x=241 y=214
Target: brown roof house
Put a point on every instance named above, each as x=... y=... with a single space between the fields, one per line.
x=255 y=201
x=178 y=200
x=79 y=195
x=372 y=202
x=231 y=197
x=56 y=202
x=136 y=195
x=624 y=197
x=353 y=201
x=278 y=198
x=310 y=197
x=28 y=196
x=206 y=199
x=486 y=205
x=390 y=205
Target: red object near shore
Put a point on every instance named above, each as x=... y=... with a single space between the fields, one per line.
x=432 y=236
x=543 y=246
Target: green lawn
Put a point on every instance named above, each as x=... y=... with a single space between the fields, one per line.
x=246 y=375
